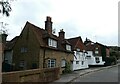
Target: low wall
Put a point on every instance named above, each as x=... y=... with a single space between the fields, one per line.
x=34 y=75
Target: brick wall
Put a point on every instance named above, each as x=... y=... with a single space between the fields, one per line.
x=34 y=75
x=0 y=63
x=59 y=56
x=27 y=40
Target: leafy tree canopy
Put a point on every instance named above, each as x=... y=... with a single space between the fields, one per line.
x=6 y=8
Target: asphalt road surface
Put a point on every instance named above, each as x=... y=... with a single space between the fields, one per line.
x=106 y=75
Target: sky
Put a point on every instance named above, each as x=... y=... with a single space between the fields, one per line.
x=95 y=19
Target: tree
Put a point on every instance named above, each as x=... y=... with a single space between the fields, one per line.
x=6 y=8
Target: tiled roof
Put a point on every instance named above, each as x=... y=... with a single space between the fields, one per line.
x=9 y=44
x=42 y=35
x=77 y=43
x=102 y=45
x=90 y=47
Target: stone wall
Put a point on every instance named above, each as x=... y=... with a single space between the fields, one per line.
x=34 y=75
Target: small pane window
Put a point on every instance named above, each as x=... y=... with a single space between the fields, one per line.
x=52 y=43
x=68 y=47
x=51 y=63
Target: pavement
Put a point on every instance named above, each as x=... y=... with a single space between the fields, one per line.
x=67 y=78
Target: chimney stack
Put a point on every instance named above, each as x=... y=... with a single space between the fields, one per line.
x=61 y=34
x=48 y=25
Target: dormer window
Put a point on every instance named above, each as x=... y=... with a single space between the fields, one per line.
x=52 y=43
x=68 y=47
x=78 y=49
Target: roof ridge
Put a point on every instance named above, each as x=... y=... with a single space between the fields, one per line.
x=75 y=37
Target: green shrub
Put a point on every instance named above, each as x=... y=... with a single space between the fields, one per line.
x=67 y=68
x=110 y=60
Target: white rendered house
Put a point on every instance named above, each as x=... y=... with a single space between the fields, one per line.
x=95 y=53
x=80 y=61
x=94 y=60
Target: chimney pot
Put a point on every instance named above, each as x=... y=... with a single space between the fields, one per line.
x=61 y=34
x=48 y=25
x=48 y=18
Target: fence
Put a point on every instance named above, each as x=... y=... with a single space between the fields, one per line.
x=34 y=75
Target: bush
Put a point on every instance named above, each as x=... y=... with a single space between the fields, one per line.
x=67 y=68
x=110 y=60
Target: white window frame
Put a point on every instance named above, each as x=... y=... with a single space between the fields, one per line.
x=68 y=47
x=51 y=63
x=52 y=43
x=96 y=52
x=63 y=62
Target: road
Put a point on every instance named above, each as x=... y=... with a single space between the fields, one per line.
x=106 y=75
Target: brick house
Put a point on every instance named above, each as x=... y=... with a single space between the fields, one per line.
x=8 y=51
x=3 y=37
x=96 y=52
x=7 y=64
x=80 y=61
x=39 y=48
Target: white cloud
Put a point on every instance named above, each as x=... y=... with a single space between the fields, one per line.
x=86 y=18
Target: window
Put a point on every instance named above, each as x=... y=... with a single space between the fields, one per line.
x=51 y=63
x=82 y=62
x=88 y=57
x=22 y=64
x=77 y=53
x=63 y=63
x=78 y=49
x=52 y=42
x=34 y=65
x=23 y=49
x=77 y=62
x=68 y=47
x=96 y=48
x=96 y=52
x=97 y=59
